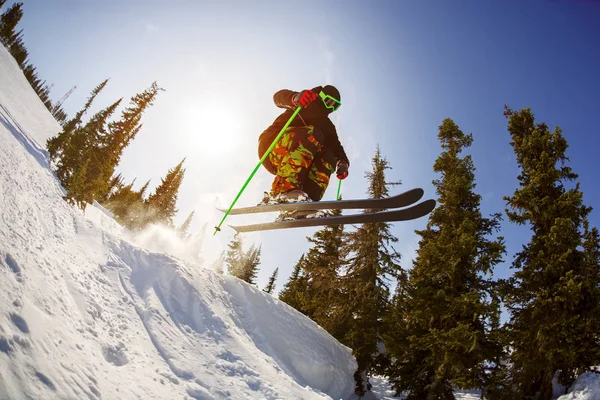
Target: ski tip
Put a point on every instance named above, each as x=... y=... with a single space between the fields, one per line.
x=428 y=205
x=418 y=194
x=238 y=229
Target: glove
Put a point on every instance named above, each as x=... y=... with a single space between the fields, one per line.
x=341 y=169
x=304 y=98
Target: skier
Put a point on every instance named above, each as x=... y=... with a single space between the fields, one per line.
x=303 y=159
x=309 y=151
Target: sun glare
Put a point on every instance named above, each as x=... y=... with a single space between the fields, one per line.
x=213 y=130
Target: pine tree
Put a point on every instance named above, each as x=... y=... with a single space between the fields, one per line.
x=128 y=206
x=162 y=203
x=553 y=296
x=366 y=284
x=143 y=189
x=8 y=22
x=123 y=131
x=271 y=285
x=57 y=144
x=250 y=264
x=86 y=147
x=13 y=41
x=293 y=291
x=445 y=317
x=77 y=185
x=183 y=229
x=322 y=267
x=20 y=54
x=78 y=144
x=589 y=285
x=117 y=200
x=234 y=257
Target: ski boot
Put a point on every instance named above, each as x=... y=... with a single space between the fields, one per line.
x=299 y=214
x=293 y=196
x=296 y=196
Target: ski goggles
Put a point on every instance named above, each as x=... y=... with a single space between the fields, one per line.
x=330 y=102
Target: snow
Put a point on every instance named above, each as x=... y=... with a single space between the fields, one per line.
x=586 y=387
x=86 y=311
x=381 y=391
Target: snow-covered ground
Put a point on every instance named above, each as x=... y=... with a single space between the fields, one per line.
x=86 y=313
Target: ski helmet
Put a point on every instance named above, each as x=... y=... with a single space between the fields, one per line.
x=331 y=97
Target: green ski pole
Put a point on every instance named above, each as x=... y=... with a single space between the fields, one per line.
x=264 y=157
x=339 y=188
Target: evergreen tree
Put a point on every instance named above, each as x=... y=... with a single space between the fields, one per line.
x=366 y=284
x=20 y=54
x=115 y=183
x=250 y=265
x=323 y=264
x=108 y=153
x=57 y=144
x=128 y=206
x=86 y=147
x=271 y=285
x=161 y=204
x=553 y=296
x=234 y=257
x=589 y=285
x=8 y=23
x=123 y=131
x=13 y=41
x=116 y=200
x=242 y=265
x=143 y=189
x=445 y=317
x=183 y=229
x=77 y=184
x=293 y=291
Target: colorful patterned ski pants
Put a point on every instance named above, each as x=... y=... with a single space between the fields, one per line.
x=301 y=163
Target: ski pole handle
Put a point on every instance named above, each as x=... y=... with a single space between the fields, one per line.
x=263 y=158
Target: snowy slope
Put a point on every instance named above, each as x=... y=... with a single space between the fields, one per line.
x=84 y=313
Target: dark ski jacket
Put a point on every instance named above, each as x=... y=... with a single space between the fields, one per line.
x=316 y=114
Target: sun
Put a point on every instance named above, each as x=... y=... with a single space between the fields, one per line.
x=212 y=130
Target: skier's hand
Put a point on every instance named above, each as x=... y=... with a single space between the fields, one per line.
x=304 y=98
x=341 y=169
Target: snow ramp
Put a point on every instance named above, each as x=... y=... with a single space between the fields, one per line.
x=85 y=314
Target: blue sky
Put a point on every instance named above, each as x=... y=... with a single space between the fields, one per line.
x=401 y=67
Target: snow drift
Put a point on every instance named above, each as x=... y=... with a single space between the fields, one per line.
x=85 y=313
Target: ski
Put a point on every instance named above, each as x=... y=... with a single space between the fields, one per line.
x=401 y=200
x=404 y=214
